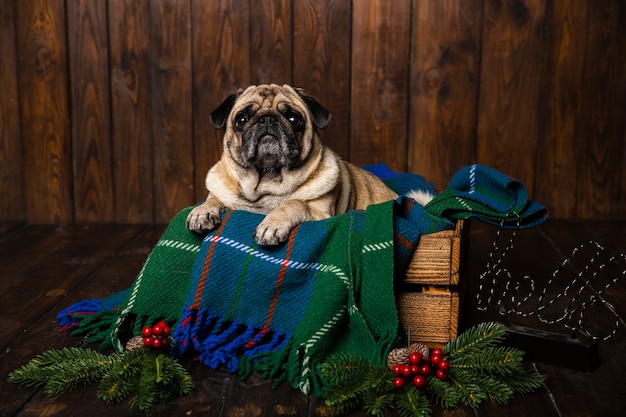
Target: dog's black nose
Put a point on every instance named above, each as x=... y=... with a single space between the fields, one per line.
x=268 y=120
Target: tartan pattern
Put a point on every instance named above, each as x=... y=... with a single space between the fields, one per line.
x=493 y=197
x=285 y=309
x=282 y=310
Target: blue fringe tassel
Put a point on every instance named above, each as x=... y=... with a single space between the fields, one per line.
x=71 y=316
x=218 y=342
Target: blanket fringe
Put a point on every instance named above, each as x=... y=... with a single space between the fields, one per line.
x=217 y=341
x=71 y=316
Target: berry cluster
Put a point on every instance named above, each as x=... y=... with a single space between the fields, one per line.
x=156 y=337
x=420 y=367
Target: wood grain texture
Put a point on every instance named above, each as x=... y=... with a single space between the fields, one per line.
x=432 y=315
x=12 y=204
x=19 y=347
x=80 y=253
x=602 y=168
x=129 y=33
x=271 y=42
x=445 y=74
x=510 y=86
x=221 y=66
x=379 y=94
x=562 y=135
x=36 y=296
x=171 y=107
x=437 y=258
x=105 y=107
x=321 y=63
x=44 y=107
x=91 y=133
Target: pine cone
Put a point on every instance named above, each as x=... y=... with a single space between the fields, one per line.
x=419 y=347
x=134 y=343
x=398 y=356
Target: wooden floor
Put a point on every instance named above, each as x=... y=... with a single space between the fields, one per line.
x=45 y=268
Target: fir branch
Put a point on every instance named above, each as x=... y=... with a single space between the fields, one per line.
x=378 y=405
x=480 y=369
x=153 y=377
x=411 y=402
x=353 y=380
x=343 y=367
x=442 y=393
x=62 y=370
x=378 y=379
x=476 y=339
x=469 y=393
x=524 y=382
x=341 y=400
x=183 y=383
x=376 y=390
x=342 y=373
x=494 y=389
x=117 y=384
x=499 y=360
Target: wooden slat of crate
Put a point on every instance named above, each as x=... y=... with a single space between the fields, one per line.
x=437 y=258
x=432 y=315
x=429 y=302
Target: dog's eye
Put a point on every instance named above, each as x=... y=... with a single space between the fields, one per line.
x=240 y=120
x=296 y=120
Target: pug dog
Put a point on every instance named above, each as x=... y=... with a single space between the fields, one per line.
x=274 y=163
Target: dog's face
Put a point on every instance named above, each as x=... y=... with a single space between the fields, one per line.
x=269 y=127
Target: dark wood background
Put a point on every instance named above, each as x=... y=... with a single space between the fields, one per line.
x=105 y=103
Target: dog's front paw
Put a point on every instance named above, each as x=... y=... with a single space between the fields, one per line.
x=204 y=217
x=271 y=232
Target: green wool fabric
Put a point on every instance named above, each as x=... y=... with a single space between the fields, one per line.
x=354 y=312
x=160 y=288
x=483 y=192
x=282 y=311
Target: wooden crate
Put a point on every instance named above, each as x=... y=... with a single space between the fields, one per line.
x=428 y=299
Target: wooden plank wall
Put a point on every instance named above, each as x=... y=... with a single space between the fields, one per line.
x=105 y=104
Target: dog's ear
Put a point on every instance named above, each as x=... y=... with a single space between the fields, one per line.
x=321 y=116
x=220 y=114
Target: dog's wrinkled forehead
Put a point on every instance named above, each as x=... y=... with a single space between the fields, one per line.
x=271 y=96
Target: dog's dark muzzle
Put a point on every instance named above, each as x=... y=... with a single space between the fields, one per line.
x=269 y=145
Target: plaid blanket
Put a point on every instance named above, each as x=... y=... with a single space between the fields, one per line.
x=282 y=310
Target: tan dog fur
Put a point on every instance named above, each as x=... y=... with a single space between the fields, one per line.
x=313 y=185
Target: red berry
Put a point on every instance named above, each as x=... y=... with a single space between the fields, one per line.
x=420 y=381
x=415 y=369
x=415 y=358
x=435 y=359
x=425 y=370
x=165 y=343
x=147 y=341
x=397 y=369
x=146 y=331
x=444 y=365
x=157 y=343
x=398 y=382
x=436 y=352
x=166 y=329
x=441 y=374
x=157 y=330
x=406 y=370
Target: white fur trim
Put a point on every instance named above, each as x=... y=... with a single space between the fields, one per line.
x=421 y=196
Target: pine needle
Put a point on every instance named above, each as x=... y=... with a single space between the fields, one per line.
x=475 y=340
x=411 y=402
x=442 y=393
x=152 y=377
